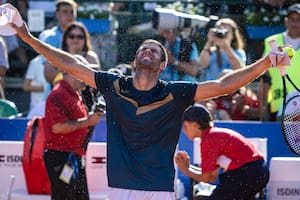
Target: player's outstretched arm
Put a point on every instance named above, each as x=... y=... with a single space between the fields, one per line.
x=238 y=78
x=61 y=59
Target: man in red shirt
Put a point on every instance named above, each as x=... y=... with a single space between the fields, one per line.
x=245 y=172
x=67 y=125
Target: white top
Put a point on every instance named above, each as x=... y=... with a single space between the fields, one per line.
x=35 y=73
x=3 y=54
x=294 y=42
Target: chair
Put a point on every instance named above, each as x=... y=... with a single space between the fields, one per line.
x=6 y=193
x=7 y=108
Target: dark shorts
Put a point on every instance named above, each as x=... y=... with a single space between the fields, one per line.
x=242 y=183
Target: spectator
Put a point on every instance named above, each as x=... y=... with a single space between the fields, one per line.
x=279 y=3
x=242 y=104
x=16 y=52
x=144 y=113
x=4 y=65
x=245 y=105
x=223 y=105
x=217 y=112
x=291 y=36
x=224 y=49
x=183 y=57
x=66 y=129
x=244 y=170
x=76 y=40
x=35 y=83
x=66 y=12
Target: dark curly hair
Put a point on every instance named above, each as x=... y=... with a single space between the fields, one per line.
x=199 y=114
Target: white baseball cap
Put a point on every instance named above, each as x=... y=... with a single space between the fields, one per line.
x=9 y=14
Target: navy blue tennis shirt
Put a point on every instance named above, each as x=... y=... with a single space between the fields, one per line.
x=143 y=129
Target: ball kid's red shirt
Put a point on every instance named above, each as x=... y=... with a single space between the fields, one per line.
x=63 y=104
x=222 y=141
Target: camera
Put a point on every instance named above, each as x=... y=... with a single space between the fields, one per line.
x=100 y=105
x=220 y=32
x=164 y=18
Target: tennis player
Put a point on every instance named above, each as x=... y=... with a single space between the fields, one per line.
x=143 y=114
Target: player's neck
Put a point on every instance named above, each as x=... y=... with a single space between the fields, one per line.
x=144 y=82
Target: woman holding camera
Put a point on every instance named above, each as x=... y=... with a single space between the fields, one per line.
x=224 y=49
x=223 y=52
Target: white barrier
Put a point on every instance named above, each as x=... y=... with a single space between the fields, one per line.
x=11 y=165
x=284 y=181
x=197 y=151
x=261 y=145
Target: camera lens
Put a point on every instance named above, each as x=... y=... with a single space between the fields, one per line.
x=220 y=32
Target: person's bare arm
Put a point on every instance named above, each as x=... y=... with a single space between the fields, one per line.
x=50 y=72
x=183 y=162
x=62 y=60
x=190 y=68
x=73 y=125
x=233 y=59
x=225 y=45
x=196 y=174
x=204 y=57
x=28 y=87
x=232 y=81
x=206 y=51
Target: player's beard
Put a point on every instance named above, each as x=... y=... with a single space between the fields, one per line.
x=147 y=64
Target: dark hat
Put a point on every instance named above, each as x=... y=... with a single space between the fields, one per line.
x=294 y=8
x=197 y=113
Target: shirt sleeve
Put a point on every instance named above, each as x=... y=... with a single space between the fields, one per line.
x=52 y=37
x=184 y=93
x=30 y=74
x=104 y=80
x=242 y=55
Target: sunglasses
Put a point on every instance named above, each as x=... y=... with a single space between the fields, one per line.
x=79 y=37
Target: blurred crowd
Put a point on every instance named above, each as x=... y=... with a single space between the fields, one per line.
x=224 y=50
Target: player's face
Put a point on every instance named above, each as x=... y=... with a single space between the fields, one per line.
x=190 y=129
x=149 y=56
